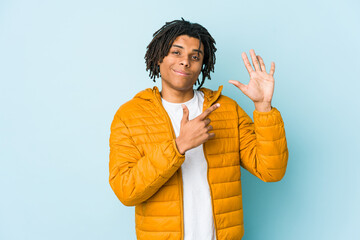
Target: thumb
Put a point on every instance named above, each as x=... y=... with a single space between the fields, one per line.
x=239 y=85
x=185 y=117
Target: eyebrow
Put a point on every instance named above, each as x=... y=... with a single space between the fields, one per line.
x=194 y=50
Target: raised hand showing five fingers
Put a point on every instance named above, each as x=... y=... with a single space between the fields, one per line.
x=260 y=88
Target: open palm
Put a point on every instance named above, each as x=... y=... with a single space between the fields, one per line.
x=260 y=88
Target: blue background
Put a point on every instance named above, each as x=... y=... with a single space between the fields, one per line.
x=66 y=67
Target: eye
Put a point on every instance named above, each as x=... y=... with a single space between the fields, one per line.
x=175 y=52
x=196 y=57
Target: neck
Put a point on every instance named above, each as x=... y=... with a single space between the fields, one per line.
x=175 y=96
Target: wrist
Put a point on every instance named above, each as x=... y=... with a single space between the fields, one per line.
x=263 y=106
x=180 y=146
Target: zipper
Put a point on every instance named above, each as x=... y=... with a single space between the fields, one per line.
x=182 y=204
x=180 y=173
x=212 y=197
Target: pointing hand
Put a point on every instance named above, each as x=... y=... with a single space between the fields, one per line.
x=196 y=131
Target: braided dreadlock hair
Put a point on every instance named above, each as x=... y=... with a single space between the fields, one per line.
x=163 y=39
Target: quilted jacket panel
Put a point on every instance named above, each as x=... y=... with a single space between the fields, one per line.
x=145 y=172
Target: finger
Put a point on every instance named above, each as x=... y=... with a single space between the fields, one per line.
x=272 y=69
x=262 y=64
x=239 y=85
x=254 y=60
x=209 y=110
x=211 y=135
x=207 y=121
x=247 y=63
x=209 y=128
x=185 y=117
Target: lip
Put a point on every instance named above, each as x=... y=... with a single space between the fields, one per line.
x=181 y=73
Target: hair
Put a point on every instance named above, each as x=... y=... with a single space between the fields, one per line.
x=163 y=39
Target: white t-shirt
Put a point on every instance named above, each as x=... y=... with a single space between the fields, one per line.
x=198 y=218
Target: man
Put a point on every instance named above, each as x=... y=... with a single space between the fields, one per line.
x=176 y=154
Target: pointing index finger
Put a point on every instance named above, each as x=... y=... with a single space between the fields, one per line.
x=209 y=110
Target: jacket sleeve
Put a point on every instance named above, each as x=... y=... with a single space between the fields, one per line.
x=263 y=147
x=135 y=178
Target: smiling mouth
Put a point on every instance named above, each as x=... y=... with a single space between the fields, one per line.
x=181 y=73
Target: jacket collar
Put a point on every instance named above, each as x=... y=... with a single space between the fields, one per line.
x=211 y=96
x=153 y=94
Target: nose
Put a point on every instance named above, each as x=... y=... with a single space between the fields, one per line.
x=185 y=61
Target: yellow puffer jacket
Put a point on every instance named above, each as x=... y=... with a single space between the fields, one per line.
x=145 y=163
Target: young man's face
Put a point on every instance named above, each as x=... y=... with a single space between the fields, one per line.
x=181 y=67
